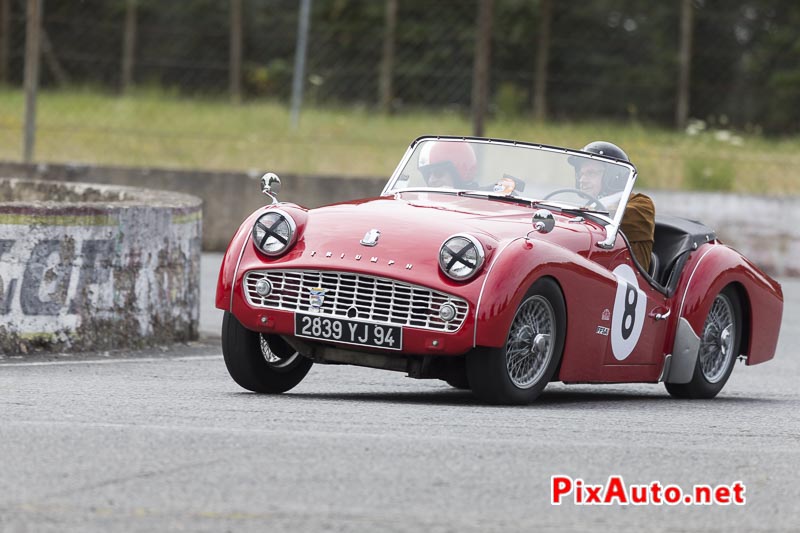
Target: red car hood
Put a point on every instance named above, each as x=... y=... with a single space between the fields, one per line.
x=412 y=228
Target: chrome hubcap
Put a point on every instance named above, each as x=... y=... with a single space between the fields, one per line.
x=529 y=347
x=716 y=345
x=272 y=358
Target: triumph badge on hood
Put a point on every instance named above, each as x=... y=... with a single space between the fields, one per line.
x=371 y=238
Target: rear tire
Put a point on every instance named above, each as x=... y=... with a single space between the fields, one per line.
x=518 y=372
x=260 y=363
x=719 y=348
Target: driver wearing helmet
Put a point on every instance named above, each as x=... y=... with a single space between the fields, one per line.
x=448 y=164
x=606 y=182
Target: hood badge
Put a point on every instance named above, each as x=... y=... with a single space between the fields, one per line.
x=317 y=295
x=371 y=238
x=358 y=257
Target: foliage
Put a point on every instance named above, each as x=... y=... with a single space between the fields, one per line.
x=609 y=59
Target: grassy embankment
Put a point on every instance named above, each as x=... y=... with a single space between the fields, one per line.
x=157 y=129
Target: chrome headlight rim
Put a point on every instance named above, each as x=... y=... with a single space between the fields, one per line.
x=292 y=232
x=480 y=256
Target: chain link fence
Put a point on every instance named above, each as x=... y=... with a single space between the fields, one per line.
x=208 y=82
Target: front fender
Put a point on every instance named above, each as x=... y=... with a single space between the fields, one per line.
x=230 y=261
x=516 y=267
x=761 y=298
x=233 y=254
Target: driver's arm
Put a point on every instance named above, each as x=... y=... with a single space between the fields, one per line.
x=638 y=224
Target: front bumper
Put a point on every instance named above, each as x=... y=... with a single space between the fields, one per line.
x=415 y=310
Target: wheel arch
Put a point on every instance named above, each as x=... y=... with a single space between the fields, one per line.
x=745 y=307
x=760 y=298
x=230 y=263
x=517 y=268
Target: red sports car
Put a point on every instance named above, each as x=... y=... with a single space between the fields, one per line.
x=486 y=264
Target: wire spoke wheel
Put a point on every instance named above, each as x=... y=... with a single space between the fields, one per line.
x=720 y=340
x=260 y=363
x=272 y=357
x=717 y=342
x=529 y=346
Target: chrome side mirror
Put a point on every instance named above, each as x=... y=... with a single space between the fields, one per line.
x=271 y=185
x=543 y=221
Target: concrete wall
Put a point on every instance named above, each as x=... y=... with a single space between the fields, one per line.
x=766 y=229
x=228 y=197
x=93 y=267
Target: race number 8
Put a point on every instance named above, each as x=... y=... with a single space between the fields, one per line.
x=627 y=318
x=629 y=315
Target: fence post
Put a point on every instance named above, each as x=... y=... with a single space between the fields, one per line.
x=235 y=84
x=387 y=60
x=480 y=73
x=684 y=65
x=542 y=58
x=32 y=53
x=300 y=62
x=5 y=38
x=128 y=44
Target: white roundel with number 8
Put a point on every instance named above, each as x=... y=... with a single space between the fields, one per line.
x=629 y=310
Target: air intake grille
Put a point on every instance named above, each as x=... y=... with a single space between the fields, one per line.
x=357 y=297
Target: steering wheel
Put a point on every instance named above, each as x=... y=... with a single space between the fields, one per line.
x=591 y=201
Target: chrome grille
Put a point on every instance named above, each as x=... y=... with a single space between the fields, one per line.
x=357 y=297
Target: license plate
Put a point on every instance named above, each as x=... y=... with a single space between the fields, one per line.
x=348 y=331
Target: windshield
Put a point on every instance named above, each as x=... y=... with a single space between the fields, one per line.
x=543 y=174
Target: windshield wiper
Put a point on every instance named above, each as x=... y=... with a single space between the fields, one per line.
x=498 y=197
x=582 y=211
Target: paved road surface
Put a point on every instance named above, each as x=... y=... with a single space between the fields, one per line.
x=164 y=440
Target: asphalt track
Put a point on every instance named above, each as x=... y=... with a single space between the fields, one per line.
x=163 y=440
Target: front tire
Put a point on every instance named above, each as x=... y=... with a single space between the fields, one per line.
x=719 y=348
x=258 y=362
x=518 y=372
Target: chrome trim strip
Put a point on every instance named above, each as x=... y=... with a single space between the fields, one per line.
x=236 y=270
x=483 y=287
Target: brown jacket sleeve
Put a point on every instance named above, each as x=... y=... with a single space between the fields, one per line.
x=638 y=224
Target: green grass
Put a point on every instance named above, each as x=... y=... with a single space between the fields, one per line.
x=156 y=128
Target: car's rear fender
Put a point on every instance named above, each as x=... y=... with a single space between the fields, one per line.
x=516 y=268
x=761 y=297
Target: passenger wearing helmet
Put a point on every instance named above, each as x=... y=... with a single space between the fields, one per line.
x=448 y=164
x=606 y=182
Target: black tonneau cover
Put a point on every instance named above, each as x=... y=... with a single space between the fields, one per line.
x=674 y=238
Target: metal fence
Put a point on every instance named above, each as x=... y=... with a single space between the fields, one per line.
x=607 y=60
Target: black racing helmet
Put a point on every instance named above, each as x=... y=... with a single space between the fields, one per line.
x=614 y=178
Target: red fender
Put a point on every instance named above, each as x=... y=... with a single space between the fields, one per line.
x=761 y=297
x=233 y=253
x=517 y=267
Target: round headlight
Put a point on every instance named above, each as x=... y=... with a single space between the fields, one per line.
x=461 y=256
x=274 y=232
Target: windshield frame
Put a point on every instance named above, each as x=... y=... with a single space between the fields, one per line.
x=611 y=224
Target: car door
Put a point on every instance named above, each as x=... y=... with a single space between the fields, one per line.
x=636 y=324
